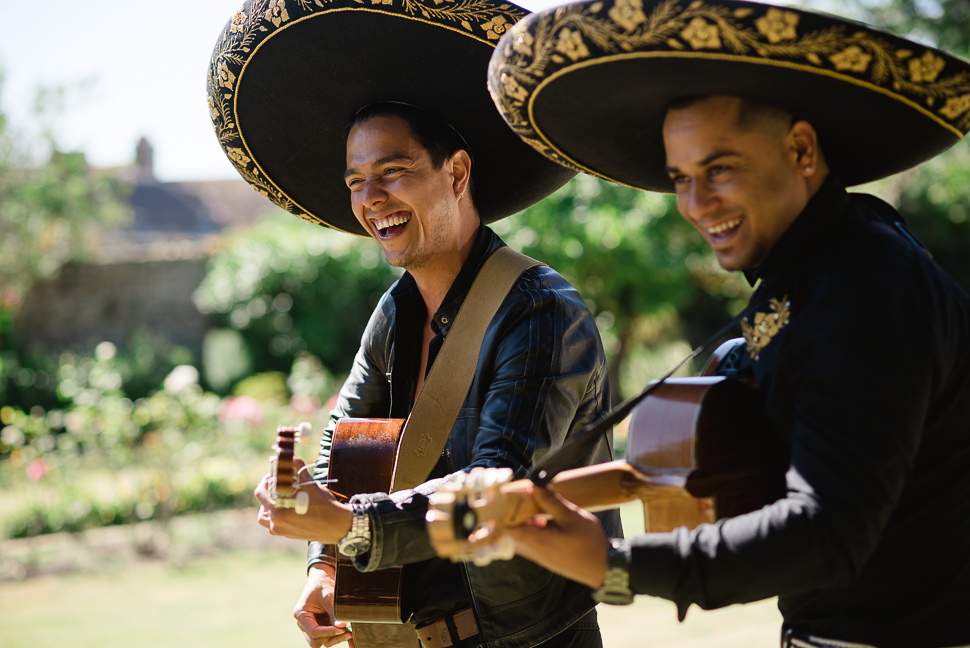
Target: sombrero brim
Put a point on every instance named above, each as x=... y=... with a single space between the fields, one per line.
x=287 y=77
x=588 y=84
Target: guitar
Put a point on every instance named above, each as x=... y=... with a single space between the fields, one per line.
x=698 y=450
x=284 y=483
x=362 y=453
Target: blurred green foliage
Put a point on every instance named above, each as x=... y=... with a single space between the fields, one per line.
x=649 y=278
x=290 y=288
x=941 y=23
x=30 y=380
x=103 y=458
x=934 y=198
x=52 y=209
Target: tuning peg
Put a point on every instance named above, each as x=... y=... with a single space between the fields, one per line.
x=303 y=503
x=305 y=429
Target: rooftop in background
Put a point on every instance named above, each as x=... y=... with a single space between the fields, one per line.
x=178 y=219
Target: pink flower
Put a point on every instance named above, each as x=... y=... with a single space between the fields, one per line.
x=242 y=408
x=307 y=405
x=36 y=470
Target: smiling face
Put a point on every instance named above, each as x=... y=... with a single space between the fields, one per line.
x=409 y=207
x=740 y=185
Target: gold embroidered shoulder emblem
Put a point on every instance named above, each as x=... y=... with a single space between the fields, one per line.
x=766 y=325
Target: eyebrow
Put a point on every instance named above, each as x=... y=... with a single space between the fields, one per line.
x=707 y=160
x=393 y=157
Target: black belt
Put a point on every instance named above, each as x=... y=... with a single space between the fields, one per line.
x=448 y=629
x=790 y=639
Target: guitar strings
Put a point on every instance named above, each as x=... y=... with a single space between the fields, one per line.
x=314 y=481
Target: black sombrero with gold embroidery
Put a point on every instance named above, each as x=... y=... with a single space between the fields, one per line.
x=287 y=76
x=587 y=84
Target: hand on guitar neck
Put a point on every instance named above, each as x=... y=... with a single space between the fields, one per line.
x=326 y=520
x=488 y=518
x=567 y=539
x=698 y=450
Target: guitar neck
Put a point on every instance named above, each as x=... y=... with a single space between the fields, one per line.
x=594 y=488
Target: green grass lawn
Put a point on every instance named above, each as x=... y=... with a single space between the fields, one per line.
x=239 y=598
x=244 y=599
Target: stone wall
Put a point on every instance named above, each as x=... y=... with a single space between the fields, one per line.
x=90 y=303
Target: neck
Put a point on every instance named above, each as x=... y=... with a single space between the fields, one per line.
x=434 y=279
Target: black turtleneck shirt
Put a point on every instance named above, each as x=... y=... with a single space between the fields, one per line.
x=867 y=389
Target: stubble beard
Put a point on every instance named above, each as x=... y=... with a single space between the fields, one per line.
x=426 y=251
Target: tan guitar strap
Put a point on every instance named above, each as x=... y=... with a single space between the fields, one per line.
x=446 y=387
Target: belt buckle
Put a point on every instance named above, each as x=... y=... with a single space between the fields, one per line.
x=434 y=635
x=439 y=633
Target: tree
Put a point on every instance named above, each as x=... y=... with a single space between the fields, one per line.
x=288 y=288
x=934 y=197
x=51 y=212
x=648 y=277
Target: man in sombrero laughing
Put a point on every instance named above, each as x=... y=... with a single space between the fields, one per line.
x=374 y=119
x=757 y=118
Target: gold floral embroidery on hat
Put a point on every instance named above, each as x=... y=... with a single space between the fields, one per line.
x=238 y=20
x=496 y=27
x=607 y=28
x=522 y=42
x=852 y=58
x=700 y=34
x=257 y=20
x=956 y=106
x=766 y=326
x=778 y=25
x=571 y=44
x=628 y=14
x=926 y=68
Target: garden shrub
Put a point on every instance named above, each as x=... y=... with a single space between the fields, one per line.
x=290 y=288
x=104 y=458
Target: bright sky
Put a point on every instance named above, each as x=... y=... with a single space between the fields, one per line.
x=143 y=65
x=143 y=68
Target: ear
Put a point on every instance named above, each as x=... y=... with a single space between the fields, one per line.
x=802 y=143
x=461 y=169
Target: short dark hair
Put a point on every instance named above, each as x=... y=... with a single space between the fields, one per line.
x=434 y=134
x=752 y=115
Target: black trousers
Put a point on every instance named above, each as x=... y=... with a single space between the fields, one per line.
x=585 y=633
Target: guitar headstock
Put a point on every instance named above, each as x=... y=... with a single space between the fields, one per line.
x=284 y=483
x=460 y=508
x=484 y=503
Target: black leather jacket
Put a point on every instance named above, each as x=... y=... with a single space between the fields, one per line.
x=541 y=376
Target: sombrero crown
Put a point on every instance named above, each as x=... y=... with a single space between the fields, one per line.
x=587 y=84
x=287 y=76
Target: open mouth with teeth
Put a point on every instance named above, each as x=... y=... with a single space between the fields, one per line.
x=390 y=225
x=724 y=229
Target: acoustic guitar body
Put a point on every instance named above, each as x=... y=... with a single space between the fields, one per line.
x=362 y=455
x=708 y=437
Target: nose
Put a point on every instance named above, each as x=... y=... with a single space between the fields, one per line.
x=697 y=200
x=373 y=194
